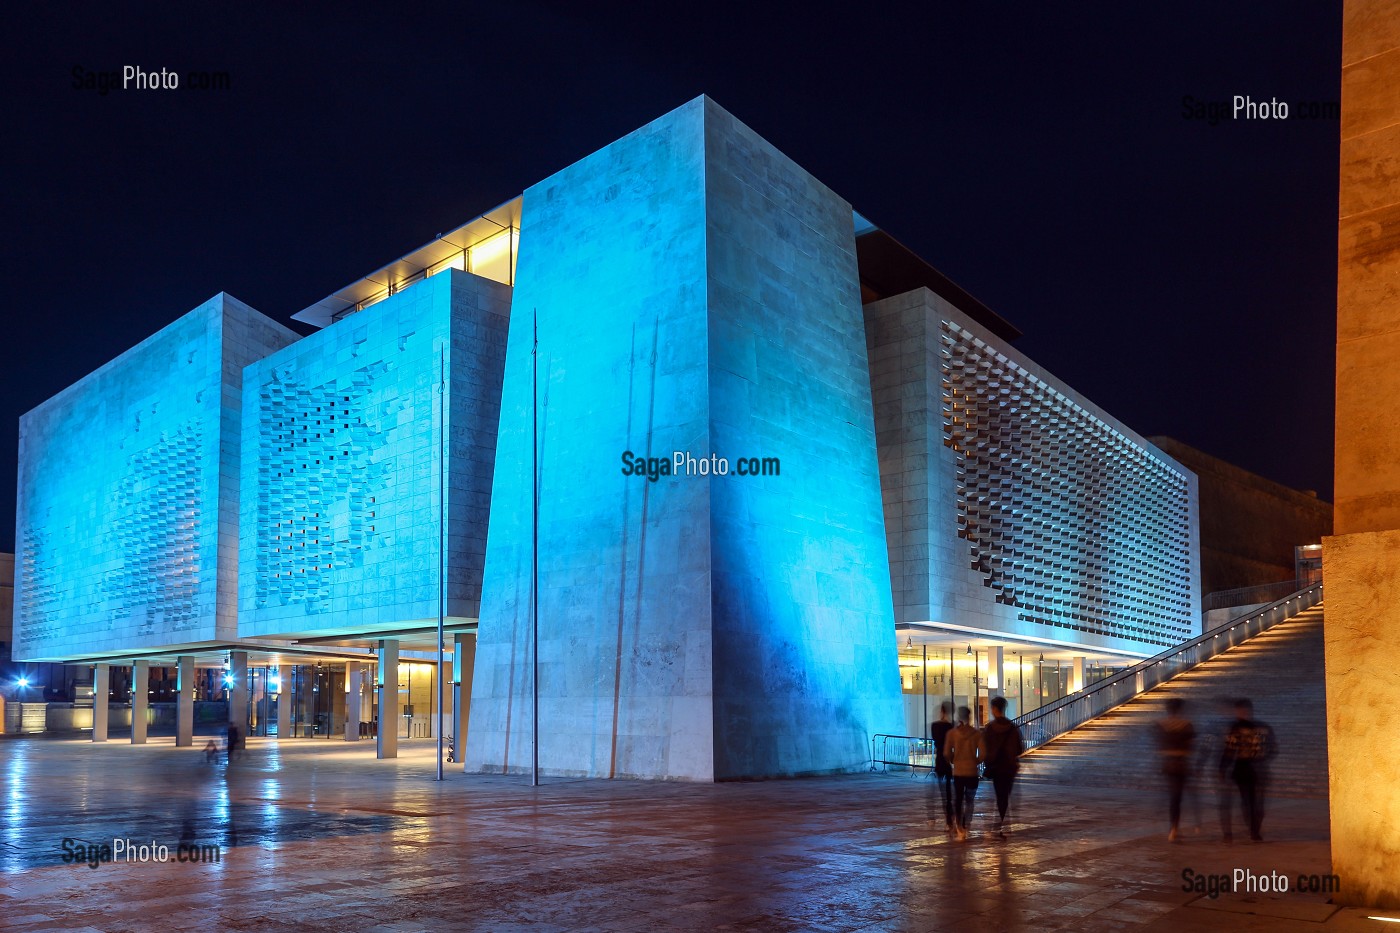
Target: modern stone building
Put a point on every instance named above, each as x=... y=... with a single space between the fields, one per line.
x=703 y=475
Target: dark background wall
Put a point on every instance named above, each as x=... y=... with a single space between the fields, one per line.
x=1249 y=525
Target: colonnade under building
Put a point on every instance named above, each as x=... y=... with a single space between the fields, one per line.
x=383 y=696
x=938 y=669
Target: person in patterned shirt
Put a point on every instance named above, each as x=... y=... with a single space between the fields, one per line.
x=1249 y=744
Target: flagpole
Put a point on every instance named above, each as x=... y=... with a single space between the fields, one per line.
x=535 y=543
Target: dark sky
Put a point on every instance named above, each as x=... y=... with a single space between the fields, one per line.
x=1182 y=275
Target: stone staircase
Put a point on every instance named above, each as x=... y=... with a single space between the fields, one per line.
x=1281 y=670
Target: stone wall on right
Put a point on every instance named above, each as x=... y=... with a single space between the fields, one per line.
x=1361 y=563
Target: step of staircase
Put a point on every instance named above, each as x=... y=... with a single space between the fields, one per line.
x=1281 y=670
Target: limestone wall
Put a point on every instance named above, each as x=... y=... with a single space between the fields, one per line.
x=342 y=463
x=1361 y=565
x=1013 y=504
x=696 y=292
x=128 y=491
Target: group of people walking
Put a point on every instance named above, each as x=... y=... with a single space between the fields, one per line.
x=1244 y=760
x=965 y=755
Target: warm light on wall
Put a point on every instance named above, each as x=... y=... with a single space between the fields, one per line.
x=494 y=257
x=490 y=248
x=456 y=261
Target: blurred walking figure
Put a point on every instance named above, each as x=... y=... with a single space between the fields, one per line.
x=942 y=770
x=235 y=742
x=1175 y=736
x=1004 y=745
x=965 y=751
x=1249 y=744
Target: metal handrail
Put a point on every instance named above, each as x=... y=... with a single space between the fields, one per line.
x=1059 y=717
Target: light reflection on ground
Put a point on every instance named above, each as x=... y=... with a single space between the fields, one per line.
x=320 y=835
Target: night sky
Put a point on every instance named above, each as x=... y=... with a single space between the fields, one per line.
x=1179 y=274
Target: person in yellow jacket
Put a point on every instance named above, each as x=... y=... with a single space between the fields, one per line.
x=966 y=751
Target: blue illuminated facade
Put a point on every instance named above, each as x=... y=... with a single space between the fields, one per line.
x=697 y=628
x=127 y=527
x=345 y=441
x=686 y=289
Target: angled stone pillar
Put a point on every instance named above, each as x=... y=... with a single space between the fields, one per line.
x=101 y=687
x=386 y=744
x=184 y=702
x=284 y=701
x=353 y=673
x=695 y=292
x=140 y=700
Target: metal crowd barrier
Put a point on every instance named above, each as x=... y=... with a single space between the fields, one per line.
x=900 y=752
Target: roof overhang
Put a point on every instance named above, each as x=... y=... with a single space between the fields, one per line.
x=888 y=268
x=212 y=654
x=412 y=266
x=944 y=636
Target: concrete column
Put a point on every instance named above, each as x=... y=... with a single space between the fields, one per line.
x=353 y=673
x=284 y=701
x=463 y=665
x=1076 y=679
x=140 y=700
x=386 y=743
x=184 y=702
x=996 y=671
x=101 y=687
x=238 y=693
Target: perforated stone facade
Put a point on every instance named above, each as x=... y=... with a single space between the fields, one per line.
x=127 y=482
x=343 y=463
x=1016 y=506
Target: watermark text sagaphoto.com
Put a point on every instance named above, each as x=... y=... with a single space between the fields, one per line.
x=1245 y=107
x=128 y=851
x=1246 y=881
x=684 y=463
x=136 y=78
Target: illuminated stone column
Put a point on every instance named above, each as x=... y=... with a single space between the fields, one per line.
x=101 y=687
x=1076 y=677
x=238 y=693
x=353 y=690
x=284 y=701
x=386 y=743
x=184 y=702
x=996 y=671
x=1361 y=564
x=697 y=294
x=463 y=664
x=140 y=700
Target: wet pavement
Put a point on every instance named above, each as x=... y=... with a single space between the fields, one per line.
x=320 y=835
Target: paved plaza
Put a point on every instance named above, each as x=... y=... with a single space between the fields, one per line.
x=320 y=835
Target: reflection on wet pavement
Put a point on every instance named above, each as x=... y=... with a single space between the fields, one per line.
x=320 y=835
